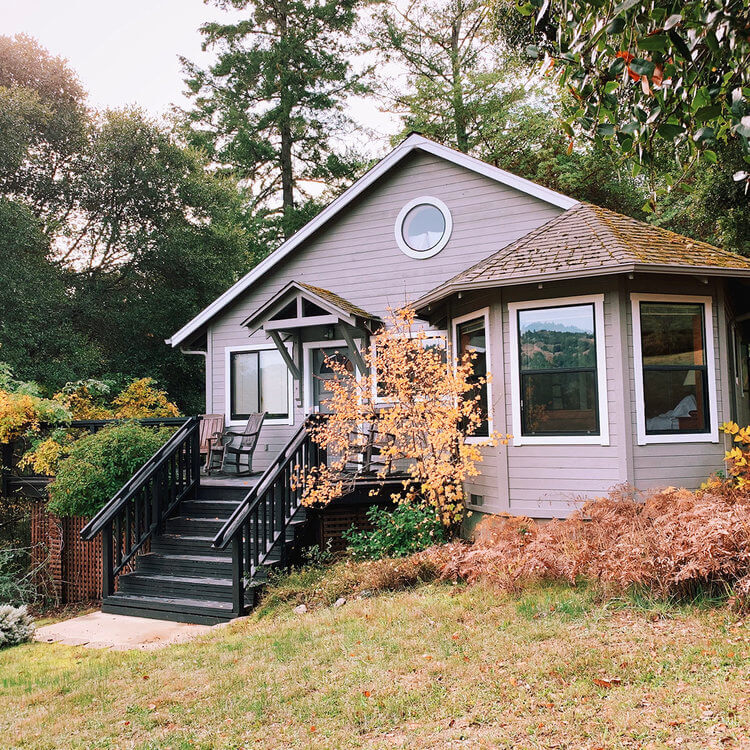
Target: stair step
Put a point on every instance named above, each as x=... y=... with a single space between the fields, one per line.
x=194 y=525
x=185 y=544
x=208 y=508
x=215 y=566
x=203 y=588
x=178 y=609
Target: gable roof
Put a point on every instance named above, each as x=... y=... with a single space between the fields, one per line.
x=589 y=240
x=329 y=301
x=410 y=144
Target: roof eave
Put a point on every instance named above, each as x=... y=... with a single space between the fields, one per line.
x=424 y=303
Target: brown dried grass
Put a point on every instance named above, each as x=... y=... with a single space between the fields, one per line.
x=671 y=544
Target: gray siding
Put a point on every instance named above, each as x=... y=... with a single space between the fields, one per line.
x=356 y=257
x=551 y=480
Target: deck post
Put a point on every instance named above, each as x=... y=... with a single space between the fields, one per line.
x=108 y=587
x=195 y=449
x=238 y=575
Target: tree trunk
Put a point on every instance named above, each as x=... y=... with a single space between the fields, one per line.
x=285 y=130
x=459 y=112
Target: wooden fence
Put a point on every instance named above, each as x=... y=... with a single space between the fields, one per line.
x=70 y=569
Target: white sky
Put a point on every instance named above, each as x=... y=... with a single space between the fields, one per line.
x=126 y=51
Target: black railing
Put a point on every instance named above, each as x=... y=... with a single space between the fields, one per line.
x=138 y=511
x=261 y=519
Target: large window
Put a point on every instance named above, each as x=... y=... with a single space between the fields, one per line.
x=558 y=362
x=471 y=337
x=674 y=360
x=258 y=381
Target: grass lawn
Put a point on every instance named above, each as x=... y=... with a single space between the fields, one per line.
x=436 y=667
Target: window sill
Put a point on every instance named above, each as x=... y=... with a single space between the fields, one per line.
x=666 y=439
x=561 y=440
x=266 y=422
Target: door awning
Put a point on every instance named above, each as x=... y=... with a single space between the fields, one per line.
x=300 y=306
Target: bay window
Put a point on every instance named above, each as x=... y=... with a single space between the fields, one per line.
x=675 y=389
x=558 y=378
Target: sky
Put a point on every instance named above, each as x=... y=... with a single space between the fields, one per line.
x=127 y=51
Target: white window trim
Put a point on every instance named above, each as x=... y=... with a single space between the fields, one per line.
x=601 y=372
x=398 y=229
x=307 y=347
x=228 y=351
x=483 y=312
x=708 y=327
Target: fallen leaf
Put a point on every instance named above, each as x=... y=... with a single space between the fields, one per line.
x=607 y=683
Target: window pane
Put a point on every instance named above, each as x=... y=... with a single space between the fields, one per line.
x=675 y=400
x=274 y=384
x=672 y=333
x=559 y=403
x=244 y=378
x=553 y=337
x=472 y=337
x=423 y=227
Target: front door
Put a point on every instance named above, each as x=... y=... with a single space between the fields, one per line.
x=322 y=373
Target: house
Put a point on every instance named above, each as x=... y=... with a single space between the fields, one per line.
x=616 y=348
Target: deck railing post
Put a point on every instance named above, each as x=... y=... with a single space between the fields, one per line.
x=108 y=587
x=155 y=503
x=195 y=450
x=238 y=574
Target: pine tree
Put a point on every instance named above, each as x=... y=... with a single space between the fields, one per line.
x=267 y=108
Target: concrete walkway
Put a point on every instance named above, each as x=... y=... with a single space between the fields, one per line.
x=118 y=632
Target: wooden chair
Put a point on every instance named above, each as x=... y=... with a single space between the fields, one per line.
x=364 y=455
x=212 y=425
x=236 y=444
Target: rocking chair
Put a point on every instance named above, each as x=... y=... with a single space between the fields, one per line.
x=235 y=444
x=212 y=425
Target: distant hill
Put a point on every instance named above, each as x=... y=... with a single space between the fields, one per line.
x=550 y=326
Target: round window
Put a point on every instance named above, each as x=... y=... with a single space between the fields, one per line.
x=423 y=227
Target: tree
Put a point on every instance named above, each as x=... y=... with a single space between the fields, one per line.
x=113 y=233
x=423 y=407
x=267 y=110
x=43 y=122
x=162 y=238
x=38 y=337
x=462 y=86
x=645 y=74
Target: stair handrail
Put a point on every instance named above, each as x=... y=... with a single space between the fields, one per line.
x=250 y=501
x=138 y=480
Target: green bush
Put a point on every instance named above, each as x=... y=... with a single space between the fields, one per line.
x=16 y=625
x=399 y=532
x=100 y=464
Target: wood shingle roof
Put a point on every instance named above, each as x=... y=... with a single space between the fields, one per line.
x=588 y=240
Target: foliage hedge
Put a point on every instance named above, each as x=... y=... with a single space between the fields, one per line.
x=100 y=464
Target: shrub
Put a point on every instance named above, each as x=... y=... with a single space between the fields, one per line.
x=143 y=399
x=16 y=580
x=671 y=543
x=405 y=529
x=16 y=625
x=100 y=464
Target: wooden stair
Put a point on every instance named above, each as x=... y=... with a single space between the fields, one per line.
x=183 y=577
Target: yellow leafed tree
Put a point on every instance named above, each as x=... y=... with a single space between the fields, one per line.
x=422 y=405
